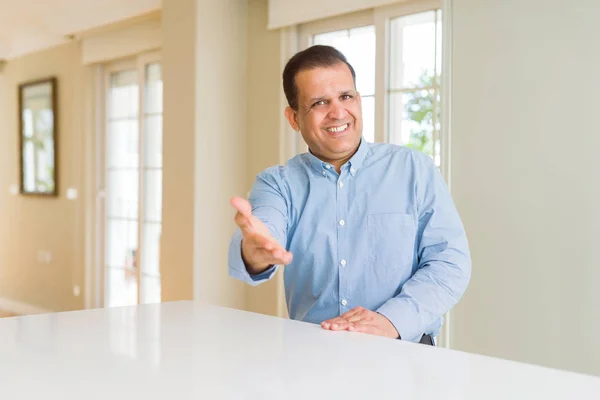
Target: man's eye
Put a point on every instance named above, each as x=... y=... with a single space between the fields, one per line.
x=319 y=103
x=346 y=97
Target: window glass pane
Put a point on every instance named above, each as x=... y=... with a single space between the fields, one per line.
x=121 y=243
x=338 y=39
x=412 y=50
x=411 y=120
x=123 y=95
x=361 y=55
x=124 y=287
x=154 y=89
x=151 y=248
x=153 y=195
x=153 y=140
x=122 y=193
x=438 y=45
x=122 y=143
x=121 y=271
x=150 y=289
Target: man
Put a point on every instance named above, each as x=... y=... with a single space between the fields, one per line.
x=368 y=232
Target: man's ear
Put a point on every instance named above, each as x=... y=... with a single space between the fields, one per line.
x=290 y=114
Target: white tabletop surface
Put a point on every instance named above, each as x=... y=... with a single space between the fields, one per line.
x=187 y=350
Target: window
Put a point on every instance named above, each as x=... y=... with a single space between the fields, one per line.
x=413 y=93
x=396 y=52
x=132 y=157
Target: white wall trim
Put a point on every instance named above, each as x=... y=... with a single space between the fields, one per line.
x=20 y=308
x=284 y=13
x=288 y=138
x=342 y=22
x=446 y=125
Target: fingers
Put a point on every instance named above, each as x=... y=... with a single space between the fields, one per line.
x=365 y=327
x=242 y=205
x=274 y=257
x=258 y=241
x=354 y=314
x=243 y=222
x=243 y=217
x=336 y=324
x=259 y=250
x=346 y=320
x=359 y=319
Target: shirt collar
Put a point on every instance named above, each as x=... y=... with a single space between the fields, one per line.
x=358 y=158
x=353 y=164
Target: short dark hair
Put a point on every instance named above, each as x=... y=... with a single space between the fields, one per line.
x=313 y=57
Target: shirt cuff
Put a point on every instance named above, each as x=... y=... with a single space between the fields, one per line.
x=404 y=317
x=237 y=268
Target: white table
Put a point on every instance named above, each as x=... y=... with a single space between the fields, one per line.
x=187 y=350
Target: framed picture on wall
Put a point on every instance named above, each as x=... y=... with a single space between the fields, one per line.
x=38 y=137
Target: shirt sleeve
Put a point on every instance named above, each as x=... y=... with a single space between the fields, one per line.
x=444 y=268
x=270 y=206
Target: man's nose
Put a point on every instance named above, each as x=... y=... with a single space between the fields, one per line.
x=337 y=110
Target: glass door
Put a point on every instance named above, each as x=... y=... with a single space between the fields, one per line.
x=133 y=182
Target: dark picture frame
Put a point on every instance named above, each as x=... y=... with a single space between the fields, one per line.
x=38 y=137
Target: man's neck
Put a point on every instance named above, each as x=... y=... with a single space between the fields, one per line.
x=337 y=164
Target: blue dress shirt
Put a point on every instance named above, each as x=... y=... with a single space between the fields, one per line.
x=383 y=234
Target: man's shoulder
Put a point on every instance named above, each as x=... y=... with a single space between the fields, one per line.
x=393 y=150
x=411 y=159
x=273 y=173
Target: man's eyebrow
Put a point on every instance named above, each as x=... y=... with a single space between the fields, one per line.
x=341 y=93
x=315 y=99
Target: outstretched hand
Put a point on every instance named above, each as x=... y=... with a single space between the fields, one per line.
x=259 y=249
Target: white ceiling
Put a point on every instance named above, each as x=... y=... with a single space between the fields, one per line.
x=31 y=25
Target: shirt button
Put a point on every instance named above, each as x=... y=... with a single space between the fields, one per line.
x=352 y=170
x=342 y=222
x=328 y=166
x=344 y=302
x=341 y=184
x=343 y=262
x=324 y=173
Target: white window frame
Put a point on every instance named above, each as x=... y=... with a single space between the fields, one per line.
x=134 y=63
x=382 y=17
x=349 y=21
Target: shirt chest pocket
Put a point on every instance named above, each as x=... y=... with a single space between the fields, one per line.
x=391 y=240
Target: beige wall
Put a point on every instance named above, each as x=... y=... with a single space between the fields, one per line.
x=525 y=179
x=264 y=111
x=32 y=224
x=205 y=162
x=221 y=144
x=179 y=77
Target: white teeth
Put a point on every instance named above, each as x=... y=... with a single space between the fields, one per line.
x=338 y=129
